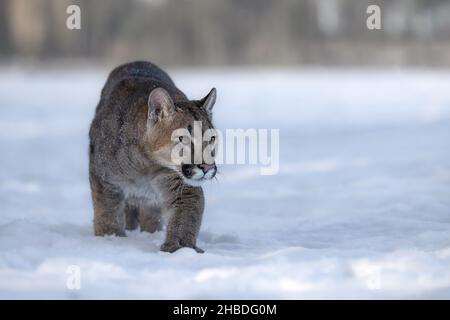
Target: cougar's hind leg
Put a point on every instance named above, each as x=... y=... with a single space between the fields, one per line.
x=109 y=217
x=131 y=216
x=150 y=218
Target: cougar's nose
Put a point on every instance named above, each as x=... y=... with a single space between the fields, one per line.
x=206 y=167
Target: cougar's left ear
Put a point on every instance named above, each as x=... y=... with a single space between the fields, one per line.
x=209 y=101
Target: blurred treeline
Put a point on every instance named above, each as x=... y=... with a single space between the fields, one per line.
x=227 y=32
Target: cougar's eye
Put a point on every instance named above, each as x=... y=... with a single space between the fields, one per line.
x=180 y=138
x=213 y=138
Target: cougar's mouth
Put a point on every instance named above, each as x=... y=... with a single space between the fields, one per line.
x=196 y=174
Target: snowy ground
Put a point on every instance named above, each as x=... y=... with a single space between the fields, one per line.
x=359 y=209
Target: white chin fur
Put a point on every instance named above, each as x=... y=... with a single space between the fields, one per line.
x=198 y=178
x=198 y=174
x=194 y=183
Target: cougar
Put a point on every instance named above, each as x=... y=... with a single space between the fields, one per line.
x=134 y=180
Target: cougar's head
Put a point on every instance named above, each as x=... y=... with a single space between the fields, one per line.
x=180 y=135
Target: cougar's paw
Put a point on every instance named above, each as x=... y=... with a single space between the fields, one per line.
x=198 y=250
x=170 y=247
x=120 y=233
x=174 y=246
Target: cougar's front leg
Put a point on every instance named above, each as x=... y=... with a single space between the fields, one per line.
x=185 y=219
x=109 y=215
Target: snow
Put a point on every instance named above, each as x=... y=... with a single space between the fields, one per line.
x=359 y=209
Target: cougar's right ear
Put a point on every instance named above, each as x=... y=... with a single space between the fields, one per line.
x=160 y=105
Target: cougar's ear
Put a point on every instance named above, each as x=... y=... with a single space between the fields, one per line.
x=160 y=105
x=209 y=101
